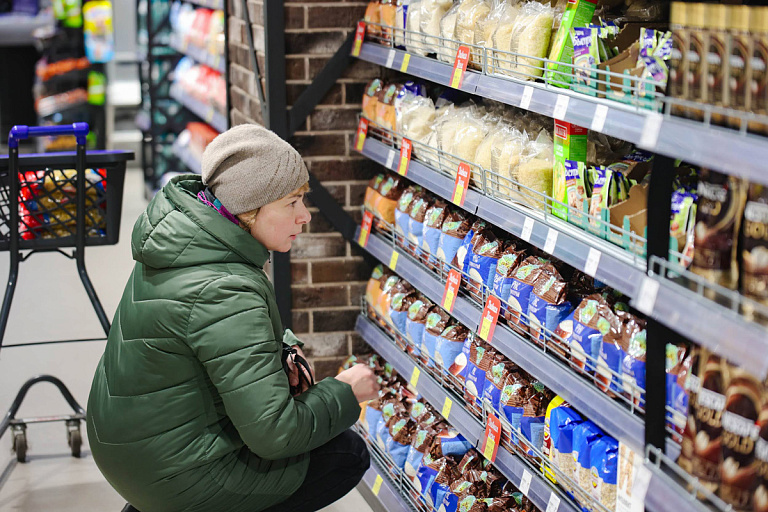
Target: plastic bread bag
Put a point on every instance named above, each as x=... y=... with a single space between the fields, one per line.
x=437 y=321
x=416 y=322
x=471 y=14
x=548 y=304
x=433 y=224
x=506 y=153
x=414 y=39
x=415 y=116
x=486 y=27
x=467 y=137
x=432 y=12
x=372 y=18
x=448 y=45
x=449 y=345
x=526 y=43
x=535 y=172
x=372 y=192
x=391 y=408
x=403 y=211
x=455 y=227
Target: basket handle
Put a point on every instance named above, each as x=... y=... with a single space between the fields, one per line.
x=19 y=132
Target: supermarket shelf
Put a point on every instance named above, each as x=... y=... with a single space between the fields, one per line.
x=210 y=4
x=200 y=55
x=726 y=150
x=665 y=495
x=192 y=163
x=205 y=112
x=382 y=496
x=17 y=29
x=510 y=465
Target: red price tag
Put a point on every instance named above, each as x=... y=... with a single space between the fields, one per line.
x=461 y=185
x=362 y=132
x=359 y=36
x=489 y=318
x=491 y=438
x=451 y=290
x=365 y=228
x=405 y=157
x=459 y=66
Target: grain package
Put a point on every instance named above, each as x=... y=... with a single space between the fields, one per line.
x=437 y=321
x=416 y=322
x=718 y=216
x=417 y=115
x=562 y=422
x=372 y=194
x=754 y=256
x=523 y=44
x=591 y=320
x=484 y=30
x=487 y=248
x=433 y=224
x=391 y=189
x=494 y=136
x=414 y=39
x=578 y=13
x=604 y=471
x=743 y=402
x=548 y=304
x=369 y=98
x=472 y=13
x=402 y=299
x=401 y=431
x=760 y=496
x=403 y=213
x=708 y=412
x=449 y=345
x=585 y=435
x=456 y=226
x=520 y=291
x=633 y=342
x=506 y=153
x=448 y=45
x=534 y=174
x=401 y=20
x=432 y=11
x=481 y=356
x=449 y=120
x=466 y=139
x=419 y=207
x=385 y=299
x=463 y=253
x=505 y=271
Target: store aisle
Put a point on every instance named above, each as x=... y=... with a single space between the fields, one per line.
x=50 y=304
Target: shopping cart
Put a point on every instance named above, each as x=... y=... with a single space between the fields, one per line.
x=48 y=203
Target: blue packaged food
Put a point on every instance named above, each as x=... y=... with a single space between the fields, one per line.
x=461 y=260
x=398 y=309
x=372 y=417
x=520 y=290
x=610 y=361
x=495 y=378
x=592 y=320
x=425 y=477
x=437 y=321
x=585 y=435
x=480 y=359
x=451 y=442
x=449 y=345
x=548 y=305
x=633 y=363
x=403 y=211
x=433 y=224
x=486 y=251
x=604 y=470
x=415 y=324
x=420 y=444
x=419 y=207
x=533 y=418
x=456 y=226
x=514 y=396
x=460 y=364
x=505 y=271
x=401 y=435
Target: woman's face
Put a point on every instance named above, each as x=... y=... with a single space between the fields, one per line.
x=277 y=224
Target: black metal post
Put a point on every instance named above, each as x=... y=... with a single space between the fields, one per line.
x=226 y=62
x=13 y=271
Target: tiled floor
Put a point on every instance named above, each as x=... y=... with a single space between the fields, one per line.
x=50 y=304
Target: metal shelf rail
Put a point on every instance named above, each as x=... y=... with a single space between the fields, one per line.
x=377 y=488
x=201 y=55
x=205 y=112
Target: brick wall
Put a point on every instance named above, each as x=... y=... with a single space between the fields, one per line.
x=328 y=274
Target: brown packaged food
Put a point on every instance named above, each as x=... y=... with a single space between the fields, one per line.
x=390 y=191
x=551 y=290
x=385 y=109
x=708 y=410
x=738 y=473
x=456 y=225
x=718 y=216
x=524 y=278
x=754 y=256
x=403 y=213
x=402 y=429
x=372 y=18
x=386 y=297
x=596 y=316
x=760 y=499
x=369 y=98
x=471 y=460
x=372 y=192
x=433 y=225
x=481 y=357
x=486 y=246
x=688 y=379
x=758 y=76
x=419 y=206
x=437 y=321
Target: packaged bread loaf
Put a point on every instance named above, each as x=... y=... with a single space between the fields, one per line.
x=532 y=421
x=562 y=421
x=414 y=39
x=432 y=11
x=373 y=289
x=420 y=443
x=446 y=51
x=369 y=98
x=524 y=43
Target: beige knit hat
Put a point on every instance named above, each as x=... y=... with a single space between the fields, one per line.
x=248 y=166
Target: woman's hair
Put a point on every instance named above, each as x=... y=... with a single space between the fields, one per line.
x=246 y=219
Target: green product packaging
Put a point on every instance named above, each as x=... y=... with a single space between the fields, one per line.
x=97 y=88
x=570 y=144
x=578 y=13
x=600 y=195
x=577 y=190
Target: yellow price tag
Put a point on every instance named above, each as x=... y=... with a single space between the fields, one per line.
x=449 y=298
x=406 y=60
x=458 y=193
x=415 y=376
x=377 y=485
x=488 y=451
x=209 y=115
x=447 y=407
x=485 y=329
x=393 y=260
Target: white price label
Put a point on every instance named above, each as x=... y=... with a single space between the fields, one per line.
x=525 y=101
x=593 y=261
x=527 y=229
x=554 y=503
x=640 y=488
x=525 y=482
x=646 y=297
x=390 y=159
x=549 y=245
x=651 y=130
x=561 y=107
x=390 y=58
x=598 y=120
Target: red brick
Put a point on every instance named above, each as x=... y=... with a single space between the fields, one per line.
x=326 y=344
x=356 y=292
x=357 y=193
x=295 y=68
x=294 y=17
x=327 y=367
x=334 y=320
x=299 y=273
x=354 y=93
x=319 y=145
x=300 y=321
x=348 y=169
x=318 y=43
x=308 y=246
x=332 y=17
x=339 y=271
x=318 y=296
x=334 y=119
x=332 y=97
x=359 y=345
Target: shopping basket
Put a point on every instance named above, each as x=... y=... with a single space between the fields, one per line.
x=48 y=203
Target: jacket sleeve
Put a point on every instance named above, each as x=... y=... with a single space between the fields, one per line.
x=291 y=340
x=230 y=332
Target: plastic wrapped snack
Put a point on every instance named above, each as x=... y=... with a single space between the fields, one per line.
x=486 y=26
x=505 y=272
x=486 y=251
x=419 y=207
x=369 y=98
x=433 y=224
x=402 y=298
x=471 y=14
x=455 y=227
x=414 y=39
x=432 y=11
x=437 y=321
x=388 y=13
x=506 y=153
x=446 y=126
x=548 y=304
x=415 y=117
x=449 y=345
x=416 y=322
x=535 y=173
x=390 y=191
x=373 y=18
x=401 y=19
x=372 y=193
x=526 y=40
x=447 y=47
x=520 y=290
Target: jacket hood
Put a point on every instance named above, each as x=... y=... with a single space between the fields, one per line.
x=177 y=230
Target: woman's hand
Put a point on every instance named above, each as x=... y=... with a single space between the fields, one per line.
x=364 y=384
x=293 y=376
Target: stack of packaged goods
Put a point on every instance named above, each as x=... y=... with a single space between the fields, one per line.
x=198 y=27
x=195 y=138
x=201 y=83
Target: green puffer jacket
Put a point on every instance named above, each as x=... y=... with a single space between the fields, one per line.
x=190 y=408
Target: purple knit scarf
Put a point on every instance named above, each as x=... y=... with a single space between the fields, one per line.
x=216 y=205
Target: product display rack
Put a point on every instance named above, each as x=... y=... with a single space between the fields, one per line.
x=378 y=490
x=202 y=56
x=192 y=163
x=205 y=112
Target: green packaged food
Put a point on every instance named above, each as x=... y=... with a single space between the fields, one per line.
x=578 y=13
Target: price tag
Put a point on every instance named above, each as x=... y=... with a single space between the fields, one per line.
x=561 y=107
x=554 y=503
x=406 y=60
x=209 y=115
x=390 y=159
x=491 y=438
x=393 y=260
x=415 y=376
x=359 y=36
x=525 y=101
x=216 y=61
x=459 y=66
x=451 y=290
x=527 y=229
x=461 y=185
x=406 y=148
x=593 y=260
x=489 y=318
x=598 y=120
x=525 y=482
x=365 y=228
x=447 y=408
x=376 y=488
x=362 y=132
x=390 y=58
x=646 y=297
x=651 y=129
x=549 y=245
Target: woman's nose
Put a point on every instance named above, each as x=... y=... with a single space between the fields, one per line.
x=304 y=216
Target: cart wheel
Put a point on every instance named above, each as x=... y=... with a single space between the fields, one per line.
x=75 y=441
x=20 y=446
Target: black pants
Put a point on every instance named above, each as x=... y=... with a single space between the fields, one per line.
x=334 y=469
